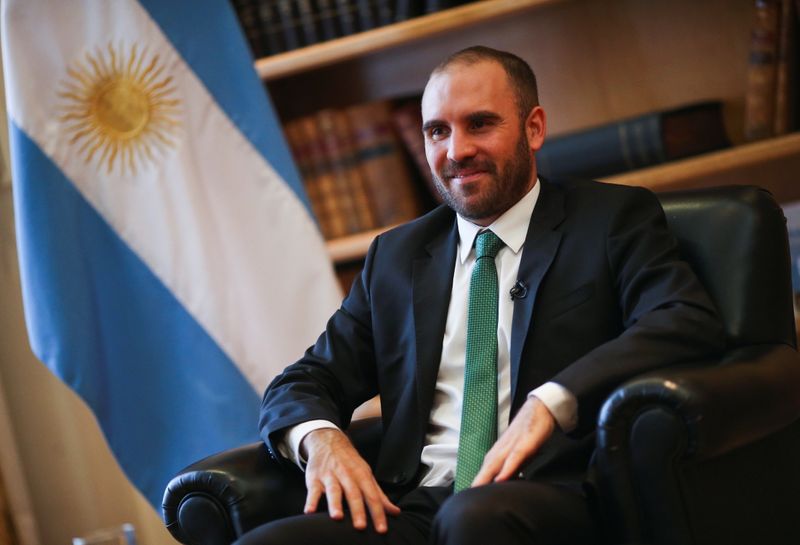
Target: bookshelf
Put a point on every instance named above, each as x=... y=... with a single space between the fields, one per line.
x=773 y=161
x=595 y=61
x=371 y=41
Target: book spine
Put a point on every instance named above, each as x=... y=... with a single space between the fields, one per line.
x=271 y=28
x=786 y=75
x=346 y=14
x=355 y=172
x=388 y=180
x=432 y=6
x=326 y=14
x=246 y=11
x=366 y=14
x=332 y=213
x=762 y=72
x=407 y=9
x=385 y=12
x=350 y=190
x=308 y=22
x=407 y=120
x=303 y=156
x=288 y=18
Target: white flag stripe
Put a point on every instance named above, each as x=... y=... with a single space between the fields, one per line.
x=195 y=250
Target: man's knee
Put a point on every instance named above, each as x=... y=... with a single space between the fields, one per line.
x=468 y=517
x=514 y=512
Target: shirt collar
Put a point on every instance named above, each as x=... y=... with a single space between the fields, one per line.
x=511 y=227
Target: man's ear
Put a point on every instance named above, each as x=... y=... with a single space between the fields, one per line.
x=535 y=128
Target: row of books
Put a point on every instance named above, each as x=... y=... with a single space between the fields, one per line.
x=355 y=168
x=772 y=91
x=275 y=26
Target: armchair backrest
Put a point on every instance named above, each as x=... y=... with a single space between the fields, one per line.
x=735 y=239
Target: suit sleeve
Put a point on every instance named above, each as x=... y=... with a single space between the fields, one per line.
x=334 y=376
x=667 y=315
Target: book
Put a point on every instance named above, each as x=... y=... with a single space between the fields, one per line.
x=407 y=9
x=366 y=14
x=302 y=139
x=407 y=116
x=287 y=12
x=384 y=11
x=247 y=13
x=307 y=17
x=271 y=28
x=351 y=189
x=432 y=6
x=346 y=15
x=389 y=182
x=762 y=71
x=786 y=70
x=634 y=143
x=326 y=17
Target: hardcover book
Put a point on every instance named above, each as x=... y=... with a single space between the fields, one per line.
x=393 y=197
x=634 y=143
x=762 y=72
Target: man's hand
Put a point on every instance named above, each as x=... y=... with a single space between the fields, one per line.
x=335 y=467
x=529 y=429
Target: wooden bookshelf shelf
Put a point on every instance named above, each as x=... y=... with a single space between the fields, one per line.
x=773 y=164
x=363 y=43
x=353 y=247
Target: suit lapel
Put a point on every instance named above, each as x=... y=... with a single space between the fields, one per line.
x=432 y=286
x=541 y=245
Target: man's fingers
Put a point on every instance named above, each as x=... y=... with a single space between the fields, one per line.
x=376 y=512
x=511 y=465
x=333 y=492
x=491 y=465
x=355 y=502
x=312 y=497
x=388 y=506
x=336 y=468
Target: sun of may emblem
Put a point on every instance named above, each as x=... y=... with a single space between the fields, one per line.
x=120 y=109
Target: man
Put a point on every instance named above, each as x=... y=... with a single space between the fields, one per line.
x=584 y=290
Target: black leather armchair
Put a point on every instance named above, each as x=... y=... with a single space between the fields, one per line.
x=703 y=453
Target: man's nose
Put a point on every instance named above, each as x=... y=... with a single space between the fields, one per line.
x=460 y=146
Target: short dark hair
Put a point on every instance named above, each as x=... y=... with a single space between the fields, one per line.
x=520 y=74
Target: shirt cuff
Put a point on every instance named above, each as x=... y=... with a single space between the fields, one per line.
x=561 y=404
x=289 y=446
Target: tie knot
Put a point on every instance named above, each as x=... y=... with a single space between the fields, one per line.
x=487 y=245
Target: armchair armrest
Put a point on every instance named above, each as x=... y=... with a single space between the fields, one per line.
x=726 y=416
x=219 y=498
x=751 y=393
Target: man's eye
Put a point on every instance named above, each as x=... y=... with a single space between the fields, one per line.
x=479 y=124
x=437 y=133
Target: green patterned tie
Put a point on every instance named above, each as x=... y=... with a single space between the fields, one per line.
x=479 y=414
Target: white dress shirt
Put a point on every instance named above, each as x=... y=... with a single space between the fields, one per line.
x=441 y=441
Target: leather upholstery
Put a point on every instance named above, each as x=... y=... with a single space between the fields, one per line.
x=704 y=453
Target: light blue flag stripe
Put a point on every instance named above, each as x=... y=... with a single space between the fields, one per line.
x=208 y=37
x=160 y=387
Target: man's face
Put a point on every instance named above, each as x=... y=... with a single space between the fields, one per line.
x=479 y=151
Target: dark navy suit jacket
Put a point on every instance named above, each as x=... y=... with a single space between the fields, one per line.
x=608 y=298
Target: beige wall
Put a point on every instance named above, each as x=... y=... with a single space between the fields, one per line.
x=62 y=480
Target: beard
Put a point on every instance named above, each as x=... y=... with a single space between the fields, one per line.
x=506 y=188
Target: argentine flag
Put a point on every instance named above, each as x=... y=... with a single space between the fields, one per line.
x=170 y=264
